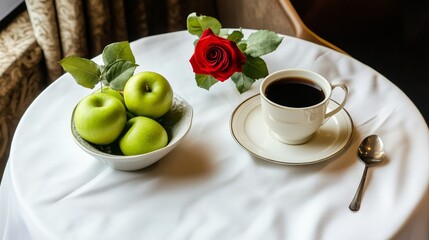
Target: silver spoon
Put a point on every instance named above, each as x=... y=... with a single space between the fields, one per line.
x=371 y=152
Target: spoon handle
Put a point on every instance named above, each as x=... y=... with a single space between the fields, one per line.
x=355 y=204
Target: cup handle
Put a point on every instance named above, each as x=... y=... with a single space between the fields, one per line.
x=337 y=109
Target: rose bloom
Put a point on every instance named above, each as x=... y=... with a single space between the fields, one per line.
x=216 y=56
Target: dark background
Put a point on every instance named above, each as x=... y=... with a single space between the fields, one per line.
x=391 y=36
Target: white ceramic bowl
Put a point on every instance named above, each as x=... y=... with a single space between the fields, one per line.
x=177 y=122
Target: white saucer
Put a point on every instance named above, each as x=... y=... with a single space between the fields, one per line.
x=251 y=132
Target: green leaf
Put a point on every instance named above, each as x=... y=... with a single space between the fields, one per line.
x=262 y=42
x=85 y=72
x=197 y=24
x=236 y=36
x=255 y=67
x=117 y=73
x=205 y=81
x=242 y=82
x=118 y=50
x=242 y=46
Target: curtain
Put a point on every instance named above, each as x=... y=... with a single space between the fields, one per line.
x=21 y=77
x=84 y=27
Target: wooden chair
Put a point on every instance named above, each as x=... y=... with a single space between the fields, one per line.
x=276 y=15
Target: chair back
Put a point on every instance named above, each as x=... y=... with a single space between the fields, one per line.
x=276 y=15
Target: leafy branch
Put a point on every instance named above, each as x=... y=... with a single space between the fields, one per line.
x=119 y=66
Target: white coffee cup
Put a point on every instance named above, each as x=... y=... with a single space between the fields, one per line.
x=297 y=124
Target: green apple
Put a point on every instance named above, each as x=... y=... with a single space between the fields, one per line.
x=142 y=135
x=110 y=91
x=100 y=118
x=148 y=94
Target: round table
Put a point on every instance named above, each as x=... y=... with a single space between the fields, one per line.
x=209 y=187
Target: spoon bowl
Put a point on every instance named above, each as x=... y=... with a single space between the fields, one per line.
x=371 y=152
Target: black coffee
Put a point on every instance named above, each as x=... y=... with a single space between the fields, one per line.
x=294 y=92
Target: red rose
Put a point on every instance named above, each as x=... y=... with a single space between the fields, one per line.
x=216 y=56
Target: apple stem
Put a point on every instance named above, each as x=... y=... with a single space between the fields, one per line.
x=101 y=86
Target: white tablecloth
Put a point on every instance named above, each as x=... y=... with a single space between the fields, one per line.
x=209 y=187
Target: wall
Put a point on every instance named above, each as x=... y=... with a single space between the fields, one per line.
x=391 y=36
